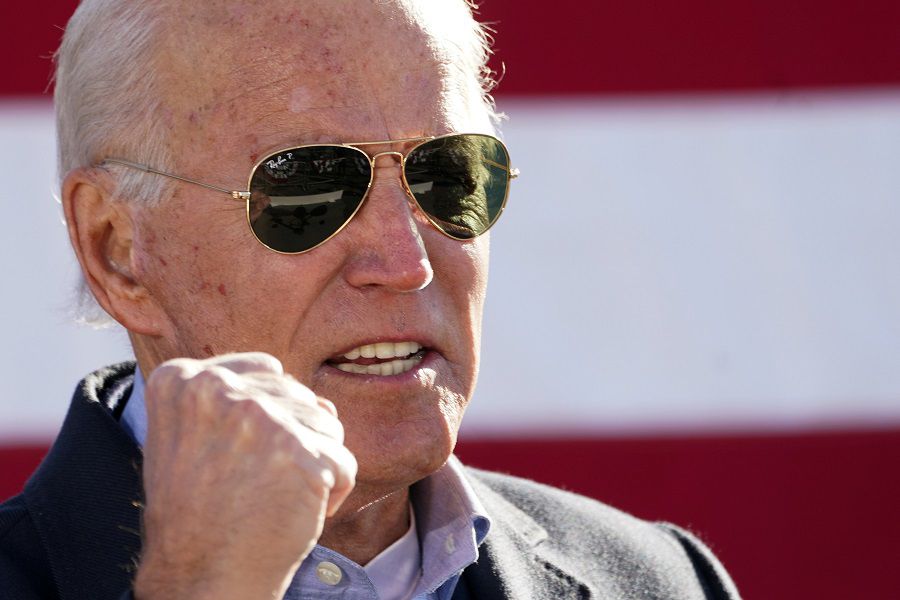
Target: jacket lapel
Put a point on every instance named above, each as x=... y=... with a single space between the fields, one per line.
x=517 y=560
x=85 y=498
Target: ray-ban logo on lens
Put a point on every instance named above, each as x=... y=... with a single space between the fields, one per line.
x=282 y=166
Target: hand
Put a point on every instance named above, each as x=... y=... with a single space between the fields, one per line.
x=242 y=463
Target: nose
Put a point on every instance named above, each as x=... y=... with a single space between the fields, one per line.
x=387 y=251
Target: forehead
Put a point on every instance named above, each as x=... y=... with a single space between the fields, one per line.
x=323 y=68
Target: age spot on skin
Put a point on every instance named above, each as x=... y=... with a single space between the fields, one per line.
x=168 y=117
x=207 y=349
x=164 y=262
x=300 y=100
x=252 y=142
x=221 y=289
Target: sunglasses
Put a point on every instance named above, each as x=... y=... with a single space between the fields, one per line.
x=301 y=197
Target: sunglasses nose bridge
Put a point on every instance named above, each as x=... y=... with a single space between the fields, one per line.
x=399 y=155
x=401 y=160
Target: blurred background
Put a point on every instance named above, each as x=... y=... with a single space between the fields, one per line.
x=694 y=311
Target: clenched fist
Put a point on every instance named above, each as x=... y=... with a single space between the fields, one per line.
x=242 y=464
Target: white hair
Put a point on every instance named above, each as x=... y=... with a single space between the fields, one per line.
x=110 y=102
x=481 y=51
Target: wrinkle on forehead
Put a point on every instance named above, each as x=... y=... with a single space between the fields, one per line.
x=319 y=31
x=335 y=65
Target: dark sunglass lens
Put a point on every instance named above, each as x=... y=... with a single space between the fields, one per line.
x=299 y=198
x=460 y=181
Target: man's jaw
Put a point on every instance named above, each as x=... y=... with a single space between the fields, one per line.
x=381 y=359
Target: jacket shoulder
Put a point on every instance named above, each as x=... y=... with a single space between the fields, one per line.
x=613 y=543
x=24 y=568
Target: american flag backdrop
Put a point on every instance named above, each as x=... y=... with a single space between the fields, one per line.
x=694 y=309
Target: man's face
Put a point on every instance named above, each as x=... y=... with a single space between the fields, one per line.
x=243 y=81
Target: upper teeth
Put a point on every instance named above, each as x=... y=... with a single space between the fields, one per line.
x=384 y=350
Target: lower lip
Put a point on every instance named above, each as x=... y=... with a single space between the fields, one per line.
x=427 y=362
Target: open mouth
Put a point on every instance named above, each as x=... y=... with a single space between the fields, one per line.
x=383 y=358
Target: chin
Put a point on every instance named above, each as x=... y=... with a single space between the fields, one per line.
x=399 y=432
x=400 y=454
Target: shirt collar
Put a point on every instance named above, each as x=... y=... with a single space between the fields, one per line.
x=134 y=416
x=452 y=521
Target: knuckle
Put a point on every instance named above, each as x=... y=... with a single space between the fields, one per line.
x=328 y=405
x=348 y=463
x=295 y=391
x=259 y=361
x=344 y=477
x=214 y=383
x=266 y=361
x=169 y=373
x=166 y=385
x=178 y=368
x=251 y=421
x=333 y=427
x=248 y=410
x=320 y=421
x=209 y=377
x=319 y=479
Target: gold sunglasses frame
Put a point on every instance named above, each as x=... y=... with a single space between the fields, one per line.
x=245 y=195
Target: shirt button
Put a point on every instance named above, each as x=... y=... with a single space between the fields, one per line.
x=328 y=573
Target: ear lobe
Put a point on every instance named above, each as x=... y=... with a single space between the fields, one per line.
x=100 y=230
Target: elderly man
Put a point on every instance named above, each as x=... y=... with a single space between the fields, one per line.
x=286 y=205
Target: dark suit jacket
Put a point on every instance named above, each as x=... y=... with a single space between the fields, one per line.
x=74 y=531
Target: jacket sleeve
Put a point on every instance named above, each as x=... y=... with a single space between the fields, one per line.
x=716 y=582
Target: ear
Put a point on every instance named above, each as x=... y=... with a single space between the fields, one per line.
x=100 y=230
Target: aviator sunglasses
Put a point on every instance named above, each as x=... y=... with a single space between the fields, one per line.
x=299 y=198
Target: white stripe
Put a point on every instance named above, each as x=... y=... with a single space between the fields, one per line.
x=690 y=262
x=680 y=262
x=43 y=353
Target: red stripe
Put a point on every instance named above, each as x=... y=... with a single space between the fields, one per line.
x=32 y=32
x=694 y=45
x=792 y=516
x=16 y=464
x=581 y=46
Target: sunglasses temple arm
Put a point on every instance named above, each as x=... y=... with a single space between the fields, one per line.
x=513 y=173
x=237 y=195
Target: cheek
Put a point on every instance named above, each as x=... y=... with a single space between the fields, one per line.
x=479 y=254
x=173 y=266
x=187 y=272
x=462 y=271
x=471 y=281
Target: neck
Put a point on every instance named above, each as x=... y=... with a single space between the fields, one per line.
x=362 y=530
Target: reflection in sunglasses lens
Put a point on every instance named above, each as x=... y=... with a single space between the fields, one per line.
x=460 y=182
x=301 y=197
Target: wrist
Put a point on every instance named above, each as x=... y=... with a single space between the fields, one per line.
x=157 y=581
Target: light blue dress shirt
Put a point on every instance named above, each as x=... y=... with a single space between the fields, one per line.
x=448 y=524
